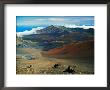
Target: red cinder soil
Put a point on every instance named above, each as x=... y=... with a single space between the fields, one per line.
x=78 y=49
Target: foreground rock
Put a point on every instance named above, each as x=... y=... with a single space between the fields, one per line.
x=28 y=57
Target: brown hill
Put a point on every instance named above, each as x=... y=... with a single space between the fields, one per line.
x=73 y=50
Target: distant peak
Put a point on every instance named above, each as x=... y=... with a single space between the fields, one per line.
x=51 y=26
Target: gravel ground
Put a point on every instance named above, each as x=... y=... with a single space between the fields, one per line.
x=46 y=65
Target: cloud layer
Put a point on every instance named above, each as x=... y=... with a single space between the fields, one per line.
x=28 y=32
x=75 y=26
x=33 y=31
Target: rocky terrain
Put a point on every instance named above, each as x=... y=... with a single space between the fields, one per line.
x=56 y=50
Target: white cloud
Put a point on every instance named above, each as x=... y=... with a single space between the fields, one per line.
x=19 y=24
x=87 y=27
x=27 y=32
x=87 y=18
x=56 y=19
x=70 y=26
x=40 y=19
x=75 y=26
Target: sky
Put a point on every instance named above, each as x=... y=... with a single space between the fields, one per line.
x=54 y=20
